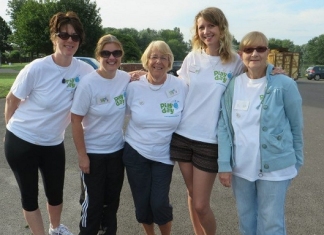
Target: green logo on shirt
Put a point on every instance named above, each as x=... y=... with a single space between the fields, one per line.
x=221 y=76
x=167 y=108
x=119 y=100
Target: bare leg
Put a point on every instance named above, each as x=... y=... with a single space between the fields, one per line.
x=202 y=187
x=187 y=173
x=149 y=229
x=165 y=228
x=194 y=217
x=54 y=214
x=35 y=221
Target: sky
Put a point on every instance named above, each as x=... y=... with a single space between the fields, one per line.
x=296 y=20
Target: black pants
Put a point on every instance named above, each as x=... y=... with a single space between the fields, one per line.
x=25 y=159
x=102 y=187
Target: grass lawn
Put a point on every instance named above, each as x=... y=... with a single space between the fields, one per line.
x=6 y=79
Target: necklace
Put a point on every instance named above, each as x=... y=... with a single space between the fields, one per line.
x=65 y=70
x=158 y=88
x=213 y=62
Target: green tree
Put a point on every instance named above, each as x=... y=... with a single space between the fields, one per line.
x=31 y=28
x=174 y=38
x=281 y=44
x=314 y=51
x=146 y=36
x=131 y=49
x=5 y=32
x=91 y=20
x=14 y=7
x=30 y=20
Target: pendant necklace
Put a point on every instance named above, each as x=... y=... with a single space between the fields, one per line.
x=213 y=60
x=65 y=70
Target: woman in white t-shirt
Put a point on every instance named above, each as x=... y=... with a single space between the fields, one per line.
x=207 y=70
x=98 y=113
x=155 y=105
x=260 y=137
x=37 y=111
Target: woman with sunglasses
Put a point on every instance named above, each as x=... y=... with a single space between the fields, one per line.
x=155 y=105
x=260 y=139
x=97 y=119
x=37 y=111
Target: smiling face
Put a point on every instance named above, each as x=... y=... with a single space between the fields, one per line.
x=158 y=64
x=254 y=53
x=257 y=60
x=208 y=33
x=110 y=64
x=67 y=47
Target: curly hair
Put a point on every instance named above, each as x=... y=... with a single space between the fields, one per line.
x=215 y=16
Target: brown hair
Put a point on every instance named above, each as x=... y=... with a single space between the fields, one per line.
x=61 y=19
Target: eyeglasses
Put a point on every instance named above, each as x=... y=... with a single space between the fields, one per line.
x=249 y=50
x=106 y=54
x=66 y=36
x=156 y=58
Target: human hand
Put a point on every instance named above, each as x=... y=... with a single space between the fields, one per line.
x=135 y=75
x=84 y=164
x=278 y=70
x=225 y=178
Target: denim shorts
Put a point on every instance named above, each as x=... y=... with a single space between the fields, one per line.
x=150 y=185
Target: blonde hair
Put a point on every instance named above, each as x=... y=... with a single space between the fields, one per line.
x=105 y=40
x=253 y=38
x=215 y=16
x=162 y=47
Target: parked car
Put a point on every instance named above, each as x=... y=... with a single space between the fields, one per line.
x=315 y=72
x=175 y=67
x=92 y=61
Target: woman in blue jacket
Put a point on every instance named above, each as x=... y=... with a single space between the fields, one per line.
x=260 y=139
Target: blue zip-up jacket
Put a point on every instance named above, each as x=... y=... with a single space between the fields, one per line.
x=281 y=126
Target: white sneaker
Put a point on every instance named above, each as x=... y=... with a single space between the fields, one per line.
x=60 y=230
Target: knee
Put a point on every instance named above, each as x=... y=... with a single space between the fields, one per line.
x=201 y=208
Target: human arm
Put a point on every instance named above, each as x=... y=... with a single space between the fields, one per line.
x=78 y=138
x=135 y=75
x=12 y=103
x=293 y=110
x=224 y=165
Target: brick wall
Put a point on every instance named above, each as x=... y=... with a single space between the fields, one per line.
x=128 y=67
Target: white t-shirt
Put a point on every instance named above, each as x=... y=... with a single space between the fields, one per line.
x=155 y=114
x=46 y=90
x=102 y=103
x=207 y=78
x=246 y=111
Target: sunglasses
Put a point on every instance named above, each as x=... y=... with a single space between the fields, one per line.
x=66 y=36
x=106 y=54
x=249 y=50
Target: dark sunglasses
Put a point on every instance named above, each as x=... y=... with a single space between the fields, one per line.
x=106 y=54
x=249 y=50
x=66 y=36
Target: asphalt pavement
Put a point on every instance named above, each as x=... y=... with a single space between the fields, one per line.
x=304 y=205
